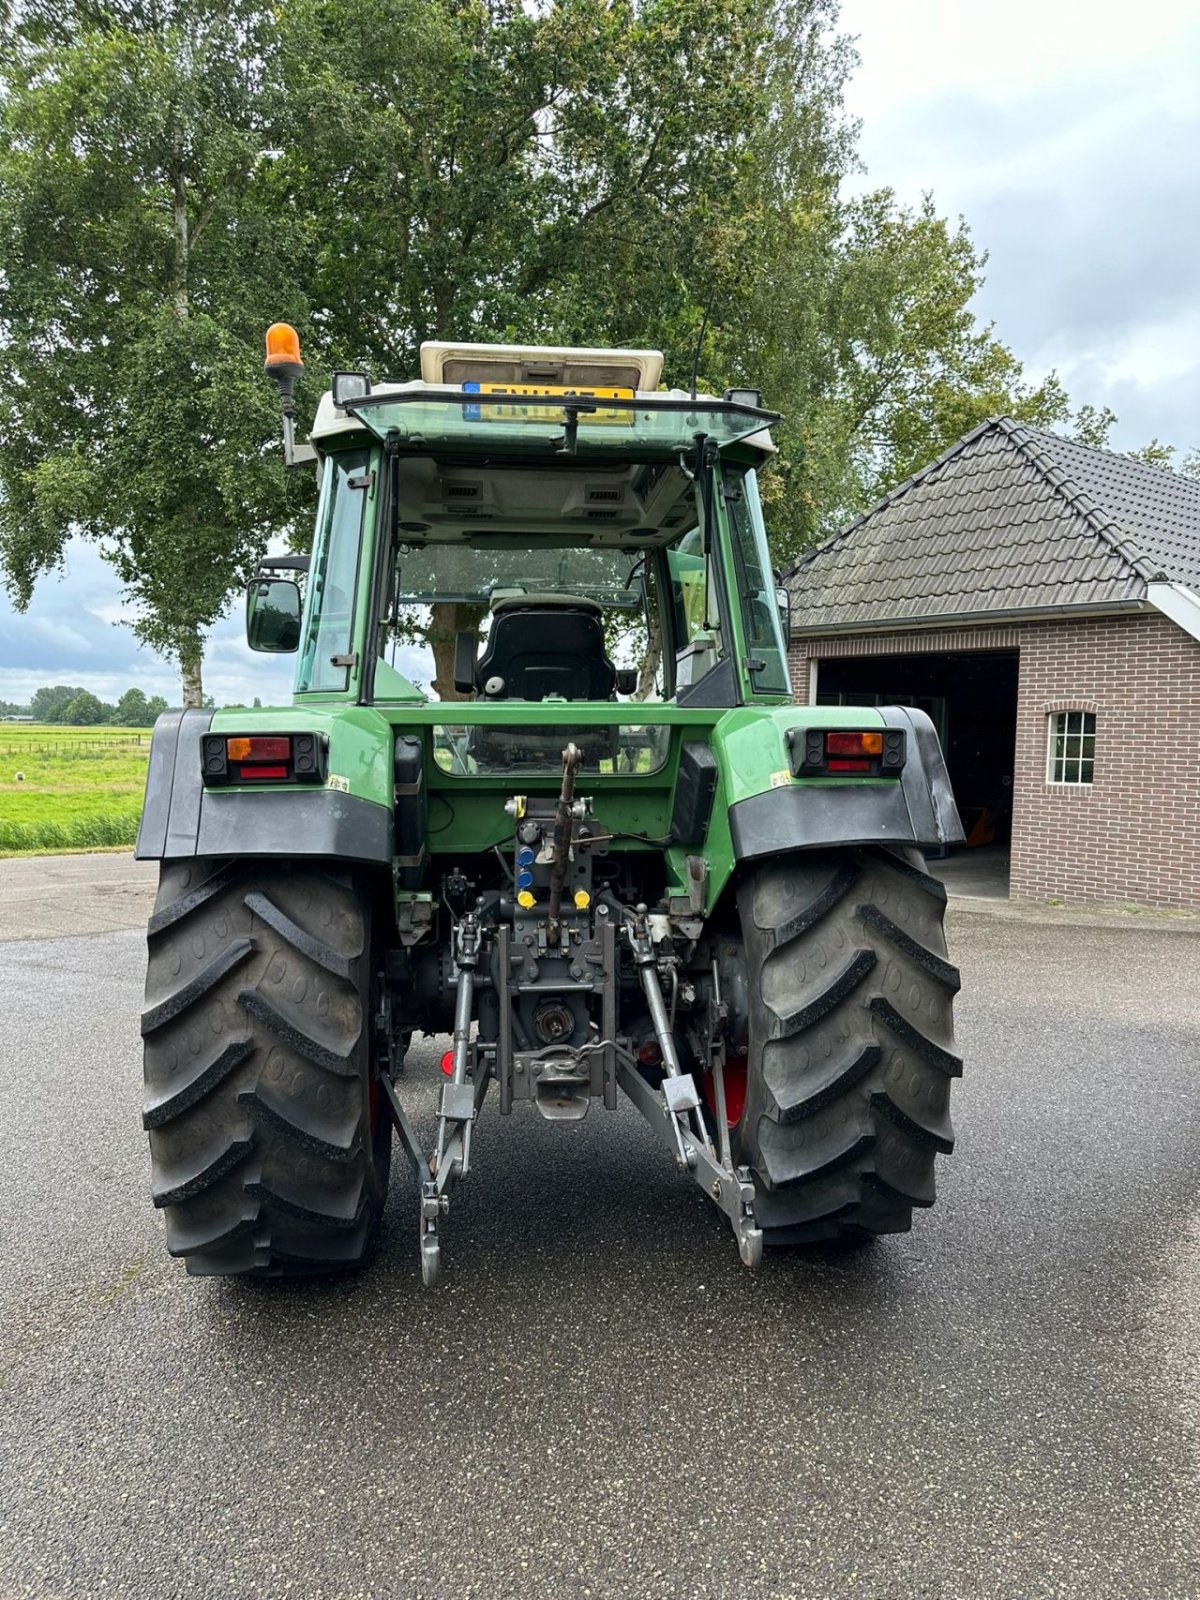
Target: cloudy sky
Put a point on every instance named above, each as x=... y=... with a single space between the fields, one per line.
x=1066 y=134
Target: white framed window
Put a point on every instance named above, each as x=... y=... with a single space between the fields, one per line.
x=1071 y=747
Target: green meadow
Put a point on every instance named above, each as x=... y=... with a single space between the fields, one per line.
x=79 y=788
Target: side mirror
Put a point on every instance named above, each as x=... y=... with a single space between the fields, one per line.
x=273 y=615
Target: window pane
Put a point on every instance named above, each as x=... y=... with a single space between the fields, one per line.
x=334 y=581
x=1071 y=746
x=755 y=583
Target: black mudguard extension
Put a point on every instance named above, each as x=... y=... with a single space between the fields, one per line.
x=181 y=818
x=918 y=808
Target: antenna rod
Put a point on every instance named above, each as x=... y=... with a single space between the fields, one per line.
x=699 y=347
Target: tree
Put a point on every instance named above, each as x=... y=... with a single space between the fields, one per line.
x=155 y=707
x=133 y=710
x=46 y=703
x=502 y=170
x=1157 y=454
x=84 y=711
x=140 y=249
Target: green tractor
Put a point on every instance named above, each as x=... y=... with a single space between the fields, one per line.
x=542 y=787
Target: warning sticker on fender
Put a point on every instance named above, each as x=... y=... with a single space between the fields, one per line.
x=336 y=781
x=779 y=779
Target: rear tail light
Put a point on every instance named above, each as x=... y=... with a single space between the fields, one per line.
x=259 y=747
x=853 y=744
x=262 y=758
x=864 y=752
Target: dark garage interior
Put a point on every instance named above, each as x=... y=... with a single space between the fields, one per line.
x=971 y=697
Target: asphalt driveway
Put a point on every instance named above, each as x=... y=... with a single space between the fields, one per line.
x=599 y=1400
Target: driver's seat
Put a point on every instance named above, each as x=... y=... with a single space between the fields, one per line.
x=545 y=644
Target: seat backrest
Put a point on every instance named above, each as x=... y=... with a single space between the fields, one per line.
x=546 y=644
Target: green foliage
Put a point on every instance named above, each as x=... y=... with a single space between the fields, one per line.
x=84 y=711
x=97 y=831
x=51 y=699
x=1157 y=454
x=132 y=710
x=567 y=172
x=61 y=704
x=138 y=251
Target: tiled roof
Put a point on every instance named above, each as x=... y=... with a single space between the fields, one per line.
x=1009 y=519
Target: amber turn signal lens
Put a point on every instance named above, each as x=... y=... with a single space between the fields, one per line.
x=853 y=744
x=261 y=747
x=283 y=345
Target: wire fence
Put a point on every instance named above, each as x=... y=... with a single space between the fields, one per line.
x=55 y=747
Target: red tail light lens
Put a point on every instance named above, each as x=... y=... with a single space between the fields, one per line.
x=853 y=744
x=259 y=747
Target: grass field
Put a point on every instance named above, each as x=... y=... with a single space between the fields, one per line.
x=81 y=788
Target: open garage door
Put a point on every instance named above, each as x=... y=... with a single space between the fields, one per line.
x=971 y=697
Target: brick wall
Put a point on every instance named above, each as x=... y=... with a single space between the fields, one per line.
x=1133 y=834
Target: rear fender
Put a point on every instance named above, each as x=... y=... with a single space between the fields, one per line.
x=182 y=818
x=773 y=811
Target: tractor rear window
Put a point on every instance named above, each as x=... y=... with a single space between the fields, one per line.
x=629 y=749
x=540 y=621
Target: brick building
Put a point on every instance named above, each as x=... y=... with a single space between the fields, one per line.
x=1041 y=600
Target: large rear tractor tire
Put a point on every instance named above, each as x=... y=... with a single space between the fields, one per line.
x=850 y=1049
x=270 y=1143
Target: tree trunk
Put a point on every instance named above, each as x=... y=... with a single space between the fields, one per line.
x=182 y=242
x=450 y=618
x=191 y=656
x=191 y=652
x=648 y=669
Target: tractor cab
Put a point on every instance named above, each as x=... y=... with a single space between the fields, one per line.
x=547 y=525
